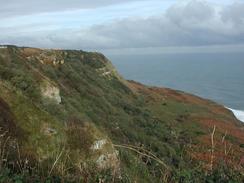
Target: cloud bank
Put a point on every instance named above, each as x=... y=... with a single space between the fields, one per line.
x=184 y=24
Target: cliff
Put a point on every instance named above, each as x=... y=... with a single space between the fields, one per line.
x=67 y=115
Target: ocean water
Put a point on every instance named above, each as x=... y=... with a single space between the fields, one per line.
x=219 y=77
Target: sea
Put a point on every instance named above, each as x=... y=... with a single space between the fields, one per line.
x=215 y=76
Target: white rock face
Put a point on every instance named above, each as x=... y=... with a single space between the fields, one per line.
x=109 y=160
x=106 y=73
x=97 y=145
x=2 y=47
x=51 y=92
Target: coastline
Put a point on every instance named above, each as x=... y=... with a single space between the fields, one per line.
x=238 y=114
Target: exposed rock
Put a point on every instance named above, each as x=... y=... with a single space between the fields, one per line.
x=52 y=92
x=62 y=62
x=106 y=73
x=44 y=56
x=97 y=145
x=109 y=161
x=107 y=155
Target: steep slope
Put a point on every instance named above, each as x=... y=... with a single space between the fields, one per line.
x=70 y=114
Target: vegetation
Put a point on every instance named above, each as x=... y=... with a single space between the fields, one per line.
x=161 y=135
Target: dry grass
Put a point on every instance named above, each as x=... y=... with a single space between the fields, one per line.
x=143 y=152
x=215 y=149
x=212 y=148
x=4 y=142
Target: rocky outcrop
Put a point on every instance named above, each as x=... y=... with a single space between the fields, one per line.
x=98 y=144
x=43 y=56
x=51 y=92
x=109 y=161
x=107 y=156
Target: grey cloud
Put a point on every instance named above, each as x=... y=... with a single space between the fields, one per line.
x=234 y=13
x=195 y=23
x=194 y=11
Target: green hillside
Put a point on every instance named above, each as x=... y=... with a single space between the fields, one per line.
x=68 y=116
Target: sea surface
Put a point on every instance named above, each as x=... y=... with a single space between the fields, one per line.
x=215 y=76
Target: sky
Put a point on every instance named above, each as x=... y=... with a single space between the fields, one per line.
x=125 y=26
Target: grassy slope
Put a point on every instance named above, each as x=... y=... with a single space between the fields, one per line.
x=172 y=125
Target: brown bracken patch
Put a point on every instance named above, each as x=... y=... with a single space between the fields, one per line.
x=224 y=149
x=224 y=127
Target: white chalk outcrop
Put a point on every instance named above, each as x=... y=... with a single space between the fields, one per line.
x=51 y=92
x=107 y=155
x=97 y=145
x=109 y=160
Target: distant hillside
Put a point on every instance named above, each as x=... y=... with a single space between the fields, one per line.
x=68 y=116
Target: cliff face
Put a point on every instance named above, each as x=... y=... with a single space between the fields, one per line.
x=72 y=114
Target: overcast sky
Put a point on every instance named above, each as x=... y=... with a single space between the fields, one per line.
x=131 y=25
